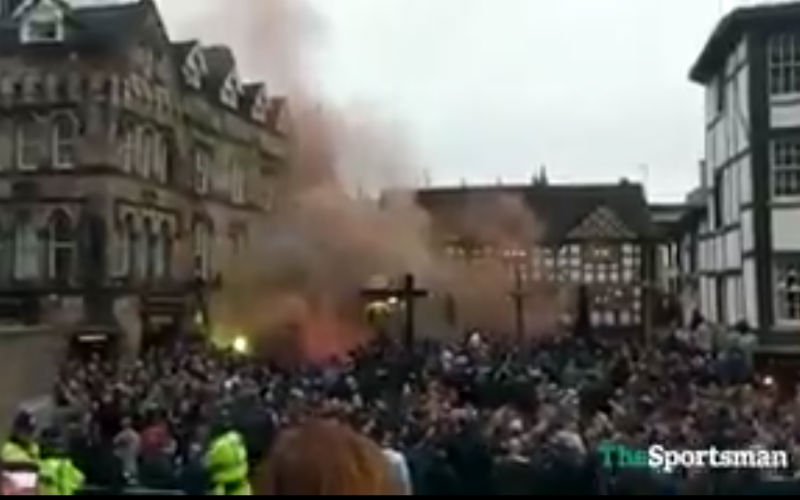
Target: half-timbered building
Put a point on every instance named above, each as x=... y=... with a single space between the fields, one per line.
x=750 y=243
x=600 y=237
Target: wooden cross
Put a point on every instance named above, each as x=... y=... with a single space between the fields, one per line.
x=408 y=295
x=519 y=294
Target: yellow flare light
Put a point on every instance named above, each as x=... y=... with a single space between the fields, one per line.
x=241 y=345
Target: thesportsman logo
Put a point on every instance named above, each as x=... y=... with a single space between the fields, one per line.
x=661 y=458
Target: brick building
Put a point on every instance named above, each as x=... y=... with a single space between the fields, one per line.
x=132 y=168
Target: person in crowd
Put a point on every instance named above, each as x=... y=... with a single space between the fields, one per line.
x=126 y=448
x=398 y=465
x=226 y=461
x=462 y=414
x=21 y=447
x=325 y=458
x=58 y=475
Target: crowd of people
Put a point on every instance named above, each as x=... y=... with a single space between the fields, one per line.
x=480 y=416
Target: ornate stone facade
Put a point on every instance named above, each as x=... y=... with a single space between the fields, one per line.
x=132 y=168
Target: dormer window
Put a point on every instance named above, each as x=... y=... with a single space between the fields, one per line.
x=194 y=68
x=260 y=105
x=43 y=24
x=192 y=76
x=231 y=91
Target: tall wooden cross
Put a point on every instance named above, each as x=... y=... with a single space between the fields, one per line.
x=519 y=295
x=407 y=295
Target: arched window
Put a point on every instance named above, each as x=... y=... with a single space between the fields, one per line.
x=163 y=252
x=202 y=250
x=237 y=184
x=166 y=251
x=160 y=154
x=132 y=237
x=146 y=249
x=127 y=147
x=145 y=153
x=30 y=144
x=27 y=249
x=61 y=248
x=65 y=134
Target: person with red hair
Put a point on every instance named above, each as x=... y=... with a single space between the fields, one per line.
x=323 y=457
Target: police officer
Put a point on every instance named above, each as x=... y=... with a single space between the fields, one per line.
x=21 y=447
x=226 y=461
x=58 y=475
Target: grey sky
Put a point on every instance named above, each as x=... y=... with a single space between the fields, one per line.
x=489 y=89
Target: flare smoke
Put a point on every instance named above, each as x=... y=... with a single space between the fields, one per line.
x=304 y=274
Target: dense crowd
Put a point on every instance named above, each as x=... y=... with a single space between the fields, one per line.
x=479 y=416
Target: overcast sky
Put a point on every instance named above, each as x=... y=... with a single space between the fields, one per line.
x=596 y=90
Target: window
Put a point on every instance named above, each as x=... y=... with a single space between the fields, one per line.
x=194 y=68
x=784 y=64
x=146 y=153
x=202 y=250
x=786 y=167
x=237 y=242
x=127 y=147
x=132 y=238
x=61 y=248
x=149 y=249
x=259 y=111
x=6 y=254
x=42 y=29
x=191 y=75
x=230 y=91
x=237 y=184
x=30 y=144
x=720 y=93
x=202 y=165
x=65 y=132
x=160 y=157
x=26 y=250
x=788 y=290
x=164 y=262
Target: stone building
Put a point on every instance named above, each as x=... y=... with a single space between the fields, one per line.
x=132 y=168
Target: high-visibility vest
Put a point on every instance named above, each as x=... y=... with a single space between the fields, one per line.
x=15 y=453
x=226 y=462
x=59 y=477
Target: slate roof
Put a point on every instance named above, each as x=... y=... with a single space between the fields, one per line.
x=106 y=29
x=557 y=208
x=729 y=30
x=181 y=50
x=99 y=28
x=220 y=62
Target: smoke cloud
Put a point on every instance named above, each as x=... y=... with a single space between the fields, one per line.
x=299 y=286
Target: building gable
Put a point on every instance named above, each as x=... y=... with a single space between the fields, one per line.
x=601 y=224
x=192 y=63
x=231 y=90
x=260 y=106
